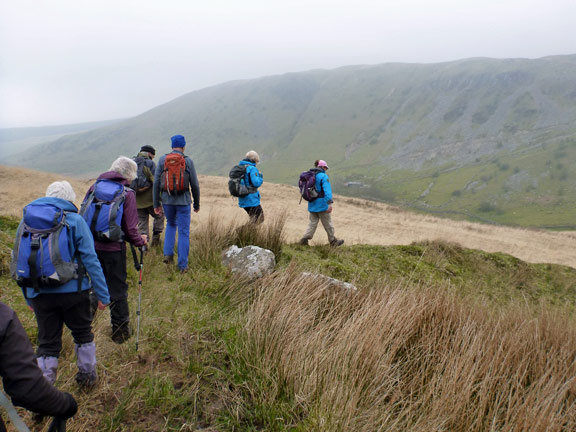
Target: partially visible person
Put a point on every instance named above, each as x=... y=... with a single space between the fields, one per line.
x=320 y=209
x=174 y=180
x=252 y=179
x=111 y=229
x=55 y=283
x=22 y=379
x=144 y=198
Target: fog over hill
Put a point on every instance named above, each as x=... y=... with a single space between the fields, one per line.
x=489 y=138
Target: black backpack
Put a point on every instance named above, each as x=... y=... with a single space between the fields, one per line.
x=144 y=178
x=236 y=187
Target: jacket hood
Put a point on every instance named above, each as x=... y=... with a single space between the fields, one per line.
x=246 y=162
x=56 y=202
x=114 y=176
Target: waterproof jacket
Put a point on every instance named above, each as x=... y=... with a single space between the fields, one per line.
x=322 y=184
x=163 y=197
x=22 y=378
x=80 y=242
x=253 y=178
x=129 y=223
x=145 y=199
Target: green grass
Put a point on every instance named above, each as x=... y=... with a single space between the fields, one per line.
x=197 y=367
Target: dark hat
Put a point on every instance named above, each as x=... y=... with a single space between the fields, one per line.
x=148 y=148
x=178 y=141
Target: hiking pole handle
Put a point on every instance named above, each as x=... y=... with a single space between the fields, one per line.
x=135 y=257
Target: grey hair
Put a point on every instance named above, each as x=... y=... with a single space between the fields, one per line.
x=61 y=189
x=126 y=167
x=253 y=156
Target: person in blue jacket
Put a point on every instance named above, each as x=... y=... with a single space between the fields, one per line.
x=253 y=178
x=62 y=305
x=321 y=208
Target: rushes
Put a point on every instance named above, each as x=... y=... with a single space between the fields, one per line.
x=413 y=359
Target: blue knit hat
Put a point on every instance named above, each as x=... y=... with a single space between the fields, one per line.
x=178 y=141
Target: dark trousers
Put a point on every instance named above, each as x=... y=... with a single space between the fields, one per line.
x=114 y=268
x=53 y=311
x=256 y=214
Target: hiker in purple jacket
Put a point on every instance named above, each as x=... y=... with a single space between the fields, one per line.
x=22 y=378
x=112 y=254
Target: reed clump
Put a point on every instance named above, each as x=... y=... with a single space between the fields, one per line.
x=412 y=359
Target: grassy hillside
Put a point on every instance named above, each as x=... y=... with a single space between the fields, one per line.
x=437 y=337
x=488 y=138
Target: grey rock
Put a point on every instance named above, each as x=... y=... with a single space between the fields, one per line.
x=251 y=262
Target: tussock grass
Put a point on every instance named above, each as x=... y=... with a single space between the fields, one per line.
x=412 y=359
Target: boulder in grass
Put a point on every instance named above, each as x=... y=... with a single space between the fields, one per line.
x=251 y=262
x=331 y=282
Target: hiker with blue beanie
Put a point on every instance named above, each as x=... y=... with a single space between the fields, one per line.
x=320 y=207
x=252 y=179
x=174 y=179
x=52 y=257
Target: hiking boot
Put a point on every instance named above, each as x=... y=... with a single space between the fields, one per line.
x=303 y=242
x=336 y=243
x=183 y=270
x=122 y=334
x=86 y=379
x=155 y=240
x=168 y=259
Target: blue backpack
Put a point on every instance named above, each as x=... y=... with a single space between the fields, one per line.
x=41 y=257
x=103 y=210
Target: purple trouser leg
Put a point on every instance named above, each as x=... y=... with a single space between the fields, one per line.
x=49 y=367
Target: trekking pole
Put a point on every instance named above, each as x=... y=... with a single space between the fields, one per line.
x=139 y=296
x=12 y=414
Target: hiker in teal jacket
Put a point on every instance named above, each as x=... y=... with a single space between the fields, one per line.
x=253 y=178
x=321 y=208
x=62 y=305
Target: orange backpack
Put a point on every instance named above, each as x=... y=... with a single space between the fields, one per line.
x=174 y=175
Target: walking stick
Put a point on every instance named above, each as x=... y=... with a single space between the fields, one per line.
x=139 y=267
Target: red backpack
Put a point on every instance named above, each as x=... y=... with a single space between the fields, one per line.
x=174 y=175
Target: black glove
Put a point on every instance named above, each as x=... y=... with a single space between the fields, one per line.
x=57 y=425
x=72 y=407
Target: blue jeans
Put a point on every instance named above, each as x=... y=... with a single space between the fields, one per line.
x=177 y=217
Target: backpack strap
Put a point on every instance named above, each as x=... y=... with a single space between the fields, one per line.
x=35 y=244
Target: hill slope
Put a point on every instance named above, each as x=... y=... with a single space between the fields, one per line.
x=356 y=220
x=484 y=137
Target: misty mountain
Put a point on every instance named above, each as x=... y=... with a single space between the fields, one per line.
x=485 y=137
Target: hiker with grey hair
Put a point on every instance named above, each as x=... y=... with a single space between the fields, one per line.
x=54 y=283
x=253 y=179
x=174 y=180
x=111 y=228
x=142 y=185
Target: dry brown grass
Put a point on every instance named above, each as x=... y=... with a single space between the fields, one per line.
x=357 y=221
x=416 y=359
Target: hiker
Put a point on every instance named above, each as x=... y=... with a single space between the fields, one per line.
x=55 y=303
x=253 y=178
x=144 y=200
x=174 y=178
x=111 y=229
x=320 y=208
x=22 y=378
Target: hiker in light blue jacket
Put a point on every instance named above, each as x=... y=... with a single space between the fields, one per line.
x=253 y=178
x=68 y=304
x=321 y=208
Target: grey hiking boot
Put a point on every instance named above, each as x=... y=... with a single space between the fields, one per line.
x=303 y=242
x=86 y=362
x=336 y=243
x=168 y=259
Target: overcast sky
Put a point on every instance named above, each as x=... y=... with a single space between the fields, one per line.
x=69 y=61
